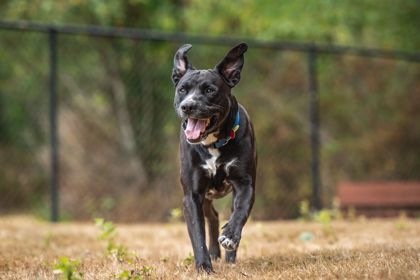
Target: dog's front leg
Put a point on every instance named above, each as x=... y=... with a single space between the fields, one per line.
x=243 y=201
x=194 y=217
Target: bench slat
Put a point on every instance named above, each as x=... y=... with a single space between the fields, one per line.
x=373 y=194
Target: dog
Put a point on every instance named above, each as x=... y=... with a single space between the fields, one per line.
x=217 y=152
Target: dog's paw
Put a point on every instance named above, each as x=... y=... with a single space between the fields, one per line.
x=228 y=243
x=204 y=267
x=214 y=252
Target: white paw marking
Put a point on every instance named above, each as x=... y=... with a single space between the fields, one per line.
x=227 y=243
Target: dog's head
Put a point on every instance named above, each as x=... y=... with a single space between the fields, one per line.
x=202 y=97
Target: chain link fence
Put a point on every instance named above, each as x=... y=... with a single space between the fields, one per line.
x=117 y=132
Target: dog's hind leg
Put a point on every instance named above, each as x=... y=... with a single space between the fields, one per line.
x=212 y=218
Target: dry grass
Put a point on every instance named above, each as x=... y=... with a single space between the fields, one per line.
x=373 y=249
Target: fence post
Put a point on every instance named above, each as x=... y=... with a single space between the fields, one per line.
x=314 y=129
x=52 y=39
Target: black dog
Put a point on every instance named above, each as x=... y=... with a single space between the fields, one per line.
x=217 y=152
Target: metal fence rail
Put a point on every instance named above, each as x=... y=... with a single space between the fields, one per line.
x=139 y=34
x=312 y=50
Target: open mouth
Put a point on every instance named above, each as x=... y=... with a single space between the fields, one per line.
x=195 y=129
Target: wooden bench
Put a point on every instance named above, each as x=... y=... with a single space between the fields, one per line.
x=380 y=198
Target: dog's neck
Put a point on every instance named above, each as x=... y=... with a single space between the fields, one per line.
x=226 y=127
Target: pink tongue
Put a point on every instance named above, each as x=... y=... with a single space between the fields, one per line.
x=194 y=128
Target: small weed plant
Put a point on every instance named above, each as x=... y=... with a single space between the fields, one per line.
x=107 y=229
x=144 y=272
x=188 y=260
x=401 y=223
x=323 y=217
x=175 y=215
x=304 y=211
x=67 y=269
x=107 y=233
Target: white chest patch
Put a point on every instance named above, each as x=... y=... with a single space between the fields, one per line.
x=211 y=165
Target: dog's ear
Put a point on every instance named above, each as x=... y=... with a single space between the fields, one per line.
x=181 y=64
x=231 y=65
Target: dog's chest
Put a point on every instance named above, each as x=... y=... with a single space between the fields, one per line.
x=217 y=170
x=211 y=164
x=214 y=163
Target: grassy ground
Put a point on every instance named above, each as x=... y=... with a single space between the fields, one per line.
x=373 y=249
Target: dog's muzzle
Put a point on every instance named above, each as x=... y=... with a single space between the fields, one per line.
x=196 y=129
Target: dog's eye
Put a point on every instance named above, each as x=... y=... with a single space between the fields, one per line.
x=182 y=90
x=209 y=90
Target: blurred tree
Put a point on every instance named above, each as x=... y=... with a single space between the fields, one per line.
x=368 y=107
x=372 y=23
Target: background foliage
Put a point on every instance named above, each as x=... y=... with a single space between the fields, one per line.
x=118 y=132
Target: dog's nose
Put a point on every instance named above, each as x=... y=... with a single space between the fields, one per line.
x=188 y=107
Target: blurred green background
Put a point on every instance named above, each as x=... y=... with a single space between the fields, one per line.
x=117 y=129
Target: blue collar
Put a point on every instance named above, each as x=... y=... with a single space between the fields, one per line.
x=221 y=142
